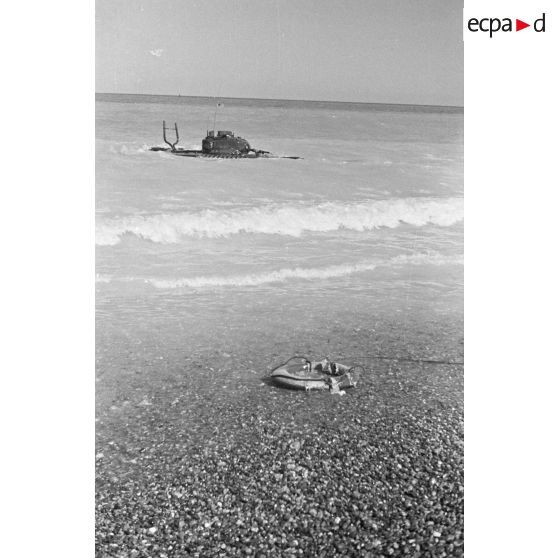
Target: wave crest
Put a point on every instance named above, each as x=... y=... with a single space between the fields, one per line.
x=287 y=220
x=256 y=279
x=284 y=274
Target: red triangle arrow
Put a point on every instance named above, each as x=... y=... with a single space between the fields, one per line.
x=519 y=25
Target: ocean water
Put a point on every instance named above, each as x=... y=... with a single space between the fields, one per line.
x=270 y=257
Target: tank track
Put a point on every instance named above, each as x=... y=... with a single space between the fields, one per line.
x=193 y=153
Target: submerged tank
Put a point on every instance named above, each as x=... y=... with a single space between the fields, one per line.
x=222 y=145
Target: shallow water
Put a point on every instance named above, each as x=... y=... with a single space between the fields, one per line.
x=225 y=254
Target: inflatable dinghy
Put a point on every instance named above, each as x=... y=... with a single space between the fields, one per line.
x=302 y=373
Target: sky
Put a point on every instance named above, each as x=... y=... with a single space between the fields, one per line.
x=377 y=51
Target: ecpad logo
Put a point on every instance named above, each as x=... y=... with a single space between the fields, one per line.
x=493 y=25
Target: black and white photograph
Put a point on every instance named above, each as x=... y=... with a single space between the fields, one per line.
x=279 y=278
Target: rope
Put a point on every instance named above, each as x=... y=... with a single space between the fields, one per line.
x=428 y=361
x=379 y=357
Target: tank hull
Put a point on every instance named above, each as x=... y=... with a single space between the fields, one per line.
x=225 y=143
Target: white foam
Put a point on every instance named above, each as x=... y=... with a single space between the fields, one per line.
x=100 y=278
x=289 y=220
x=286 y=274
x=426 y=258
x=256 y=279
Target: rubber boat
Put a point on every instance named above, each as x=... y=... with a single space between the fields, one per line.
x=304 y=374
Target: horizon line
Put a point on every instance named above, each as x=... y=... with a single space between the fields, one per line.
x=278 y=99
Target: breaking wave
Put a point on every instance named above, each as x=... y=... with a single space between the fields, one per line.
x=255 y=279
x=100 y=278
x=128 y=149
x=288 y=220
x=284 y=274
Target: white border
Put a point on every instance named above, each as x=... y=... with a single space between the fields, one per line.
x=510 y=282
x=47 y=281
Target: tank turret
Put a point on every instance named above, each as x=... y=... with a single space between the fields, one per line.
x=224 y=143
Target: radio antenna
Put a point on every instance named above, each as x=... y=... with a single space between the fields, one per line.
x=218 y=105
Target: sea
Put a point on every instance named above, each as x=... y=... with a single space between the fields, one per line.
x=227 y=267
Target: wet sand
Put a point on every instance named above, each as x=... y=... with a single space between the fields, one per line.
x=198 y=455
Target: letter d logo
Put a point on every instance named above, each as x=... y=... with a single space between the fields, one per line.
x=539 y=24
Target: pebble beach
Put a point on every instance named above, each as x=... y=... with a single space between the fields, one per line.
x=195 y=465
